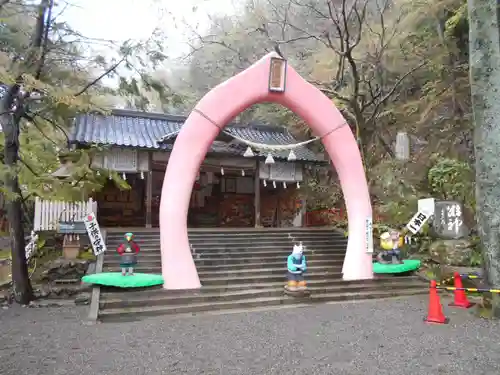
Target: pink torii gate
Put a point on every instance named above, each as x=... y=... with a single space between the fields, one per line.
x=212 y=113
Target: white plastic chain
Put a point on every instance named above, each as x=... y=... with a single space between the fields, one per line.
x=31 y=246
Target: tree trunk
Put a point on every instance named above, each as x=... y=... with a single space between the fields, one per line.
x=23 y=292
x=484 y=55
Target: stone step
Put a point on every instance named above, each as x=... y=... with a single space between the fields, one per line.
x=266 y=237
x=331 y=234
x=113 y=293
x=264 y=243
x=248 y=243
x=240 y=242
x=260 y=246
x=248 y=249
x=156 y=255
x=218 y=272
x=251 y=250
x=257 y=277
x=253 y=263
x=254 y=247
x=235 y=232
x=128 y=301
x=256 y=242
x=219 y=260
x=133 y=313
x=244 y=240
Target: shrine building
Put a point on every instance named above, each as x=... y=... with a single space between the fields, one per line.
x=232 y=189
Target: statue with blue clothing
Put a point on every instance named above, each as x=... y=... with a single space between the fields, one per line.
x=390 y=242
x=297 y=266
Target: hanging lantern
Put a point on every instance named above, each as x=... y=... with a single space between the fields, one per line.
x=248 y=153
x=243 y=173
x=222 y=171
x=298 y=185
x=124 y=176
x=292 y=156
x=284 y=185
x=269 y=159
x=264 y=183
x=274 y=184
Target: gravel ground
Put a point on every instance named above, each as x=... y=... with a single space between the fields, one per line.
x=384 y=337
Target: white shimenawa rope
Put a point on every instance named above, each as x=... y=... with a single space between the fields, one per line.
x=258 y=146
x=266 y=147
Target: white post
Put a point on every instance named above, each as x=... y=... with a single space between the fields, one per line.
x=37 y=220
x=45 y=213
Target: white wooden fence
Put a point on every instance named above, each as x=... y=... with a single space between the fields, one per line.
x=48 y=212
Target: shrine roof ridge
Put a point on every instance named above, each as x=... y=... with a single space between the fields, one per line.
x=146 y=130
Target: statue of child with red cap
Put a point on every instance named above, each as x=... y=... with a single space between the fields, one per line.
x=128 y=251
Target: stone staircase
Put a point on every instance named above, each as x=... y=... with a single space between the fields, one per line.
x=242 y=270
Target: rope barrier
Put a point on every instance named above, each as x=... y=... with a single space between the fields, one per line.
x=478 y=290
x=471 y=276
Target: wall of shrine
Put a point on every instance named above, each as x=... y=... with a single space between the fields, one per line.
x=122 y=208
x=280 y=206
x=223 y=194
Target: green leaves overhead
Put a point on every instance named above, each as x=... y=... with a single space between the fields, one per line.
x=62 y=79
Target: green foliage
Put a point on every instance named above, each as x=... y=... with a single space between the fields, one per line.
x=321 y=193
x=5 y=254
x=396 y=185
x=67 y=82
x=457 y=21
x=452 y=179
x=87 y=255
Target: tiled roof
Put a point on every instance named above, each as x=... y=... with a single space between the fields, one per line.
x=126 y=128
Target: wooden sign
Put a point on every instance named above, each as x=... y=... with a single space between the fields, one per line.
x=71 y=227
x=417 y=221
x=369 y=235
x=427 y=204
x=95 y=235
x=277 y=75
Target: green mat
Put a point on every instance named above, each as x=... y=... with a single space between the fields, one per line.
x=408 y=265
x=137 y=280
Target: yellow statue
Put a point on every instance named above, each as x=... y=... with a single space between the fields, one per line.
x=390 y=242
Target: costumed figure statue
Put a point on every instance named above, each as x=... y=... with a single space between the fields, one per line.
x=391 y=242
x=296 y=265
x=128 y=251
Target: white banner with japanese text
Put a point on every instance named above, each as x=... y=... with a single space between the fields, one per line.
x=94 y=233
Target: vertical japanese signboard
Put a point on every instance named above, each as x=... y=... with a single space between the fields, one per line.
x=94 y=233
x=369 y=235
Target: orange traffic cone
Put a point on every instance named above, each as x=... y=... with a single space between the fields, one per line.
x=460 y=298
x=435 y=314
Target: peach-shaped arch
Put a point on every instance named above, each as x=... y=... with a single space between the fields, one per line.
x=212 y=113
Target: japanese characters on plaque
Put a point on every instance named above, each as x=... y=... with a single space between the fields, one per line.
x=448 y=220
x=417 y=221
x=94 y=233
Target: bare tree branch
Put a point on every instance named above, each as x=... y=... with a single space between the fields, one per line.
x=104 y=74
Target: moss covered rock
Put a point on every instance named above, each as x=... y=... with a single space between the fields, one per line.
x=451 y=252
